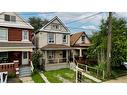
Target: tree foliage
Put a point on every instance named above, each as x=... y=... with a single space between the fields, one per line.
x=36 y=59
x=37 y=23
x=119 y=40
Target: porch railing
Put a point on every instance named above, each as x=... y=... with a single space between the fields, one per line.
x=32 y=67
x=57 y=60
x=9 y=66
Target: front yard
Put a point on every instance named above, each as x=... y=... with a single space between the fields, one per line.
x=60 y=76
x=37 y=78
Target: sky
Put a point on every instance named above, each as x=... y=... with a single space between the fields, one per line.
x=75 y=21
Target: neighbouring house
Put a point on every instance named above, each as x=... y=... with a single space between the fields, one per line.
x=15 y=44
x=79 y=43
x=53 y=41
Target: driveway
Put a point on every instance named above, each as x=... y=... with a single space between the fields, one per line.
x=122 y=79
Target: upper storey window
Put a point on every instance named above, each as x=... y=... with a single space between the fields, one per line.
x=9 y=18
x=56 y=26
x=25 y=35
x=51 y=38
x=83 y=38
x=3 y=34
x=64 y=38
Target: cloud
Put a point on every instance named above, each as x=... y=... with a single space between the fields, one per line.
x=90 y=27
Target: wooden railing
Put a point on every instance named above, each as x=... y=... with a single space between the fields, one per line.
x=9 y=66
x=32 y=67
x=57 y=60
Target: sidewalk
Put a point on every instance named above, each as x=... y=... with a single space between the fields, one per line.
x=122 y=79
x=26 y=80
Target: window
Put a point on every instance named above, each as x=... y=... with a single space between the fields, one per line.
x=55 y=26
x=10 y=18
x=7 y=17
x=50 y=38
x=25 y=35
x=51 y=54
x=13 y=18
x=83 y=38
x=64 y=38
x=3 y=34
x=24 y=55
x=3 y=55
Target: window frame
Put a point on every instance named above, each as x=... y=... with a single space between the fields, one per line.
x=6 y=35
x=10 y=19
x=23 y=32
x=65 y=39
x=55 y=24
x=53 y=40
x=83 y=38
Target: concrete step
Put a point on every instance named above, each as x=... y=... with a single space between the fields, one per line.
x=24 y=71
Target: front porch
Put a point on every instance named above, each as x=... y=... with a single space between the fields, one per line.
x=78 y=54
x=11 y=61
x=55 y=59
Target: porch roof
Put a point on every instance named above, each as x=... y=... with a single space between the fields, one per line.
x=82 y=45
x=11 y=44
x=56 y=47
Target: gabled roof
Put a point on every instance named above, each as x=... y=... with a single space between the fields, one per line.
x=55 y=18
x=75 y=37
x=15 y=24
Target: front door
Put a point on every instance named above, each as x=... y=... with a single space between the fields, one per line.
x=25 y=58
x=64 y=53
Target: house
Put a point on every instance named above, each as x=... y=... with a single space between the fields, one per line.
x=15 y=44
x=79 y=43
x=53 y=41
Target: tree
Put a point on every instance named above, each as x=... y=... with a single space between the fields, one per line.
x=36 y=59
x=119 y=41
x=37 y=23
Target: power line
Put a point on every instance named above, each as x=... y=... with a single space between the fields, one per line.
x=85 y=18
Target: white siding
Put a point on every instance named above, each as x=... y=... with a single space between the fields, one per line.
x=19 y=22
x=80 y=40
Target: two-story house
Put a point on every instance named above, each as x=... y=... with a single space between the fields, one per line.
x=53 y=40
x=79 y=42
x=15 y=44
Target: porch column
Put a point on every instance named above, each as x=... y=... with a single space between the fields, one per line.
x=80 y=53
x=73 y=55
x=67 y=55
x=46 y=57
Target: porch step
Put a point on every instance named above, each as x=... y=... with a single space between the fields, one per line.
x=24 y=71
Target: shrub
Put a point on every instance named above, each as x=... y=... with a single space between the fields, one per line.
x=35 y=59
x=11 y=75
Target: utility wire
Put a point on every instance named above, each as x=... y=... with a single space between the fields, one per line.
x=85 y=18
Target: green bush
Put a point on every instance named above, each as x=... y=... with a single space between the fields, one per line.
x=11 y=75
x=35 y=59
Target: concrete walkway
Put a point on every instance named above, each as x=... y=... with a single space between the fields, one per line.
x=26 y=80
x=122 y=79
x=43 y=77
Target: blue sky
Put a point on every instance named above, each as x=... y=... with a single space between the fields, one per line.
x=81 y=23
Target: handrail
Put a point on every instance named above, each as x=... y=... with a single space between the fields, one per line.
x=6 y=63
x=32 y=67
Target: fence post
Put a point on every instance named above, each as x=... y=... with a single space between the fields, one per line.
x=103 y=74
x=86 y=68
x=97 y=72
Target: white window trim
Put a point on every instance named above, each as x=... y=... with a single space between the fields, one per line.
x=7 y=35
x=66 y=39
x=48 y=38
x=59 y=27
x=23 y=35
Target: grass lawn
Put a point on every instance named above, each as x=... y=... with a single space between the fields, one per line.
x=37 y=78
x=66 y=73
